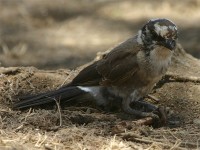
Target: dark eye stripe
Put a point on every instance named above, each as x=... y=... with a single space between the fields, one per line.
x=157 y=37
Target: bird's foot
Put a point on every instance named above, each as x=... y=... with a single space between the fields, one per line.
x=143 y=106
x=139 y=113
x=160 y=111
x=163 y=118
x=143 y=109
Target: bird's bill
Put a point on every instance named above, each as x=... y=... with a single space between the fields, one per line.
x=169 y=43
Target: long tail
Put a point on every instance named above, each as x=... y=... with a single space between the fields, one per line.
x=62 y=95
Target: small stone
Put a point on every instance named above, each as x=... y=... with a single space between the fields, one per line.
x=196 y=121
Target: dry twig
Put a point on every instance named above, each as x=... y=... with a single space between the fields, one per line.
x=182 y=78
x=59 y=111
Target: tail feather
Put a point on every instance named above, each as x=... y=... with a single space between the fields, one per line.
x=62 y=95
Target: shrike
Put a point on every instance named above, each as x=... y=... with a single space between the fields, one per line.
x=129 y=71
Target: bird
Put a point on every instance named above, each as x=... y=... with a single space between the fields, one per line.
x=128 y=71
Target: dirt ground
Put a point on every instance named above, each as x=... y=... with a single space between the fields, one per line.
x=66 y=34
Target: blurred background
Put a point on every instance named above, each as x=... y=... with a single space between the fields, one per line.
x=57 y=34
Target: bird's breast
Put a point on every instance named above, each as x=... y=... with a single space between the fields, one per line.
x=155 y=64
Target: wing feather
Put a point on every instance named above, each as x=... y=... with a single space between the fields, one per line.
x=120 y=64
x=114 y=68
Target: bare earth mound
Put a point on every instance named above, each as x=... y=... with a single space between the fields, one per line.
x=87 y=127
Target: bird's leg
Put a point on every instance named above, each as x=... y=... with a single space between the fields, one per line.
x=127 y=108
x=147 y=107
x=143 y=109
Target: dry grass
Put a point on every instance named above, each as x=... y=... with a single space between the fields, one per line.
x=77 y=127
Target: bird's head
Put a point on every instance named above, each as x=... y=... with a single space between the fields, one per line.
x=158 y=32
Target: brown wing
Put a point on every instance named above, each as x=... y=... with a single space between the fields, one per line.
x=120 y=64
x=89 y=76
x=113 y=69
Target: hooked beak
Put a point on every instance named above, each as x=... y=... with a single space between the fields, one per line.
x=170 y=44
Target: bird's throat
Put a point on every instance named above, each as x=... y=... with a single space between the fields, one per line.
x=160 y=54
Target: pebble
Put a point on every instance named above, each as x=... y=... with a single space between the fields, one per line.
x=196 y=121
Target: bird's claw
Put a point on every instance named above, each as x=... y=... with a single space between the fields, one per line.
x=162 y=114
x=153 y=116
x=158 y=114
